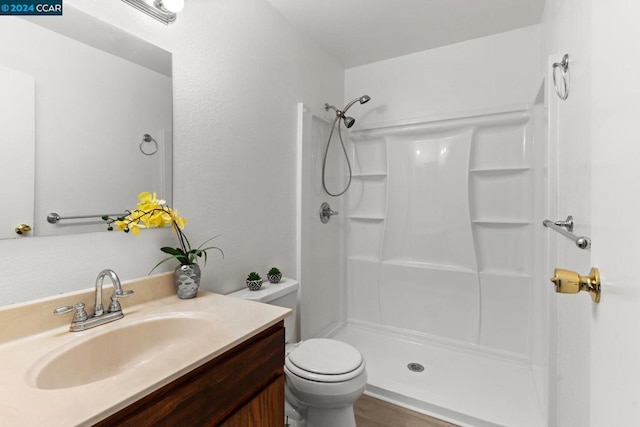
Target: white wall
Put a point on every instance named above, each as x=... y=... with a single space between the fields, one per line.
x=599 y=345
x=239 y=70
x=615 y=154
x=475 y=75
x=17 y=107
x=566 y=28
x=321 y=253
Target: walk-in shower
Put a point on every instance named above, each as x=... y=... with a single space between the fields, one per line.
x=431 y=270
x=348 y=122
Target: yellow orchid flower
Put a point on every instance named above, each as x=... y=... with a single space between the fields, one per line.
x=152 y=212
x=177 y=219
x=154 y=218
x=120 y=225
x=148 y=202
x=135 y=228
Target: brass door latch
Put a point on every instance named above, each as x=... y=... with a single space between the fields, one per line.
x=22 y=229
x=570 y=282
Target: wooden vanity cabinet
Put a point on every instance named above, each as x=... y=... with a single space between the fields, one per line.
x=243 y=387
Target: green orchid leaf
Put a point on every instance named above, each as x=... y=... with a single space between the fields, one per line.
x=184 y=236
x=172 y=251
x=207 y=241
x=213 y=247
x=161 y=262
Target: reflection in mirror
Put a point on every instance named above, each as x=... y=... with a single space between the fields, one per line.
x=17 y=141
x=101 y=97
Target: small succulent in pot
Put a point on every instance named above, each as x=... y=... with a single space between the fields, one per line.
x=274 y=275
x=254 y=281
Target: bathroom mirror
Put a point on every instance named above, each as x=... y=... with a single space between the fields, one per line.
x=98 y=119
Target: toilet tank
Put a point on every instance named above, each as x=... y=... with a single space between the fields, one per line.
x=282 y=294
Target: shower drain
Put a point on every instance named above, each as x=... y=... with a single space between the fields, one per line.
x=415 y=367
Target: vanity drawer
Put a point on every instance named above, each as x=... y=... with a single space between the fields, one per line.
x=213 y=392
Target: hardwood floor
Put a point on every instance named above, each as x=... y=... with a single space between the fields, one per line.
x=371 y=412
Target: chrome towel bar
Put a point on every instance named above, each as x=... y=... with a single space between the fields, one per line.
x=54 y=218
x=565 y=228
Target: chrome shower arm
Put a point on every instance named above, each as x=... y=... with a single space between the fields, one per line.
x=346 y=107
x=362 y=100
x=328 y=107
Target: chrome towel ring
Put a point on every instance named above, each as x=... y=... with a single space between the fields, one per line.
x=563 y=66
x=148 y=140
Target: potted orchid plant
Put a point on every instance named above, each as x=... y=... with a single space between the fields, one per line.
x=152 y=212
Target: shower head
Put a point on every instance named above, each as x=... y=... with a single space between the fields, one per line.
x=362 y=100
x=348 y=121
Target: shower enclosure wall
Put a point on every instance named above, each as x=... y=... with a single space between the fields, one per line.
x=434 y=260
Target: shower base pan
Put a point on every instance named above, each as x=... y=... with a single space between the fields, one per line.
x=456 y=385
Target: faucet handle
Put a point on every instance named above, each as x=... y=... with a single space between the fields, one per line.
x=123 y=294
x=115 y=304
x=80 y=314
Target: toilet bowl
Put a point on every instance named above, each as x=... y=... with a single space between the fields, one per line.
x=324 y=377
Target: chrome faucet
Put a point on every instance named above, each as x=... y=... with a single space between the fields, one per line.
x=98 y=310
x=82 y=321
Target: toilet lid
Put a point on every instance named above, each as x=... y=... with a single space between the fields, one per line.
x=326 y=357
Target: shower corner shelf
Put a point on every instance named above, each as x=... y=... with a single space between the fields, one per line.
x=365 y=217
x=362 y=258
x=372 y=175
x=504 y=273
x=514 y=169
x=400 y=262
x=505 y=222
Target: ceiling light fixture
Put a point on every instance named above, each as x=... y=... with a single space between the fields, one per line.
x=164 y=11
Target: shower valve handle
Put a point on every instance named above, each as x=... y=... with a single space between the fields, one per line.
x=326 y=213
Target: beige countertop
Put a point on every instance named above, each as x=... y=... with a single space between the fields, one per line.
x=226 y=322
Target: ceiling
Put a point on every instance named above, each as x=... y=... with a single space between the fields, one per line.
x=358 y=32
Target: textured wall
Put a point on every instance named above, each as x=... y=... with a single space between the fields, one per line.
x=239 y=70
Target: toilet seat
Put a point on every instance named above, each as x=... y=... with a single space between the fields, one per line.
x=325 y=360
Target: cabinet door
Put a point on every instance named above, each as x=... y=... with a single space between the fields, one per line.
x=217 y=390
x=265 y=410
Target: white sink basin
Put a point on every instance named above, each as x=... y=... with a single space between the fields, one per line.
x=153 y=340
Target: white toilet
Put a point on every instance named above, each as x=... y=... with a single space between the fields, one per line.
x=323 y=376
